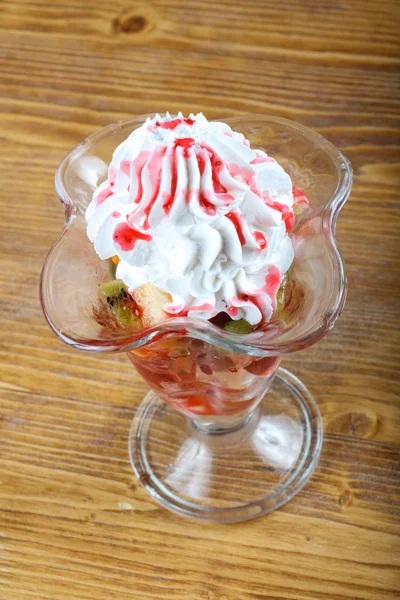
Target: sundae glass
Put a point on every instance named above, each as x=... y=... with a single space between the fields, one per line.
x=224 y=435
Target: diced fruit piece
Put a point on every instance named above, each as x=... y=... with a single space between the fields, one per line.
x=239 y=326
x=184 y=367
x=262 y=366
x=115 y=259
x=196 y=405
x=281 y=295
x=221 y=319
x=150 y=300
x=289 y=300
x=301 y=202
x=114 y=294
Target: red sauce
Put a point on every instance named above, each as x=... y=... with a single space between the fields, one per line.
x=201 y=307
x=202 y=163
x=186 y=144
x=169 y=124
x=237 y=219
x=174 y=123
x=216 y=167
x=154 y=166
x=247 y=175
x=261 y=159
x=286 y=212
x=125 y=236
x=169 y=198
x=104 y=194
x=125 y=167
x=138 y=165
x=260 y=239
x=209 y=207
x=112 y=175
x=272 y=281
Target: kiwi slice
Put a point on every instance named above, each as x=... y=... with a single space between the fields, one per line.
x=289 y=301
x=113 y=269
x=283 y=292
x=281 y=295
x=120 y=302
x=239 y=326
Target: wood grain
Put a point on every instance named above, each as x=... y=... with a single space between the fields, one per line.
x=74 y=522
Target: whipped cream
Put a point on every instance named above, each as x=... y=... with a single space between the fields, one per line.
x=191 y=208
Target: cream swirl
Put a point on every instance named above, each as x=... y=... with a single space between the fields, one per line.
x=191 y=208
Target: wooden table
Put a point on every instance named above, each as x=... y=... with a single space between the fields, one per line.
x=74 y=523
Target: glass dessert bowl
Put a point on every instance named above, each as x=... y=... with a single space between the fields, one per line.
x=224 y=435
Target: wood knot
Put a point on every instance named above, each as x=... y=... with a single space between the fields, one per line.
x=132 y=25
x=136 y=21
x=359 y=425
x=345 y=498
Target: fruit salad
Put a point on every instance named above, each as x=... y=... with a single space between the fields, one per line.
x=195 y=223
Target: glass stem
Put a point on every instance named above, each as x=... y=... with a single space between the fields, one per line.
x=223 y=424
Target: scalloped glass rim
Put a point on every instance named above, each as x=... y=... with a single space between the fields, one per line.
x=256 y=343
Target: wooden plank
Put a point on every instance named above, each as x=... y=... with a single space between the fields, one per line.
x=74 y=522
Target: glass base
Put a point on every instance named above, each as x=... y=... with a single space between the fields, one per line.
x=227 y=477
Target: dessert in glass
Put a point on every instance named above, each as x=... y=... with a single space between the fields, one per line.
x=206 y=251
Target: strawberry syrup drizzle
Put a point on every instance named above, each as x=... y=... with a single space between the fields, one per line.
x=170 y=198
x=104 y=194
x=112 y=175
x=216 y=167
x=186 y=144
x=125 y=167
x=139 y=164
x=248 y=177
x=174 y=123
x=125 y=236
x=272 y=282
x=260 y=239
x=208 y=207
x=286 y=212
x=237 y=220
x=246 y=174
x=261 y=159
x=259 y=302
x=202 y=164
x=202 y=307
x=154 y=166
